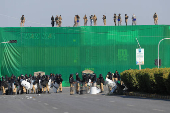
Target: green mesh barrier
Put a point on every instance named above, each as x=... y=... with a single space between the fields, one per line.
x=69 y=50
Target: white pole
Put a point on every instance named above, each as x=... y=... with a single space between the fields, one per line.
x=139 y=67
x=158 y=48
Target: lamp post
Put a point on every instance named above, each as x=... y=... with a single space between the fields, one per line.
x=158 y=48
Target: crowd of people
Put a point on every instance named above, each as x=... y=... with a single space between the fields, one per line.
x=93 y=80
x=30 y=84
x=41 y=83
x=93 y=20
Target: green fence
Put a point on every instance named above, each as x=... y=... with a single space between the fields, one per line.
x=69 y=50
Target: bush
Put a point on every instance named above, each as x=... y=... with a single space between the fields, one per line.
x=148 y=80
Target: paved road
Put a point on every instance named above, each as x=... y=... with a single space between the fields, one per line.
x=65 y=103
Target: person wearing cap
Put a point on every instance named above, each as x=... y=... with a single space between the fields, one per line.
x=119 y=19
x=3 y=85
x=13 y=85
x=85 y=81
x=94 y=79
x=110 y=76
x=22 y=21
x=95 y=20
x=77 y=83
x=47 y=80
x=57 y=21
x=116 y=76
x=115 y=18
x=60 y=20
x=126 y=19
x=101 y=79
x=104 y=20
x=71 y=81
x=133 y=19
x=85 y=20
x=155 y=17
x=59 y=82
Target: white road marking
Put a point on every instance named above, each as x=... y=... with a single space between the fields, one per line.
x=55 y=108
x=129 y=105
x=158 y=110
x=45 y=103
x=112 y=101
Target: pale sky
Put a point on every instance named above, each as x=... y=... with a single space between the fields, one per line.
x=40 y=11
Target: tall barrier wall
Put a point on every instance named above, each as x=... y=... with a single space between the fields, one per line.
x=69 y=50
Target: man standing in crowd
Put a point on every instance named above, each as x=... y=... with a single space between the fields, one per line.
x=22 y=21
x=52 y=21
x=57 y=21
x=59 y=82
x=60 y=21
x=119 y=20
x=126 y=19
x=78 y=83
x=155 y=17
x=85 y=20
x=104 y=20
x=115 y=18
x=133 y=19
x=116 y=76
x=95 y=20
x=71 y=81
x=101 y=79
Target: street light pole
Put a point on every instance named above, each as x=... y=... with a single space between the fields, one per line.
x=158 y=48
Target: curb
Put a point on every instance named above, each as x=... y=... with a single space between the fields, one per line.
x=146 y=95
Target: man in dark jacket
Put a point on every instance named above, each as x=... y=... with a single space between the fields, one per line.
x=116 y=76
x=71 y=81
x=52 y=21
x=101 y=79
x=93 y=80
x=78 y=83
x=59 y=82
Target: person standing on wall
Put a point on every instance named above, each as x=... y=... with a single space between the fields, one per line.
x=57 y=21
x=78 y=20
x=104 y=20
x=119 y=20
x=75 y=21
x=60 y=21
x=22 y=21
x=133 y=19
x=91 y=20
x=95 y=20
x=101 y=79
x=85 y=20
x=155 y=17
x=71 y=80
x=52 y=21
x=126 y=19
x=115 y=18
